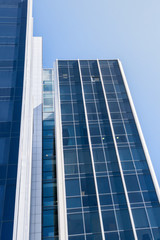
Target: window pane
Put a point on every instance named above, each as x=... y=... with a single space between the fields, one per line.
x=123 y=219
x=116 y=184
x=124 y=154
x=4 y=145
x=74 y=202
x=112 y=236
x=6 y=109
x=109 y=221
x=92 y=223
x=154 y=216
x=70 y=156
x=88 y=186
x=144 y=234
x=119 y=199
x=135 y=197
x=105 y=199
x=103 y=185
x=140 y=218
x=48 y=218
x=75 y=224
x=146 y=182
x=131 y=183
x=98 y=155
x=89 y=201
x=84 y=156
x=127 y=235
x=72 y=187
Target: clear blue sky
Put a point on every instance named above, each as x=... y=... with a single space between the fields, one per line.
x=128 y=30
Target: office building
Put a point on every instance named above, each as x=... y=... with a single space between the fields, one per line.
x=20 y=106
x=73 y=160
x=106 y=185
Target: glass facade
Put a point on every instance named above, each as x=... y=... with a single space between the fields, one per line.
x=49 y=189
x=13 y=16
x=109 y=189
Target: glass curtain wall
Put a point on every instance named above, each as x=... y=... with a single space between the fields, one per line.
x=82 y=208
x=49 y=189
x=141 y=191
x=97 y=121
x=13 y=16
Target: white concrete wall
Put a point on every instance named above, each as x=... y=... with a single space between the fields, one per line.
x=36 y=182
x=27 y=215
x=23 y=187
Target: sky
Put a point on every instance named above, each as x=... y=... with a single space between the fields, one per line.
x=110 y=29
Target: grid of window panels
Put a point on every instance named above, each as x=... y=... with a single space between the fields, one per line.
x=114 y=209
x=85 y=86
x=82 y=209
x=13 y=15
x=49 y=190
x=142 y=196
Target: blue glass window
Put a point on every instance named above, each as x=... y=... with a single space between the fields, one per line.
x=81 y=237
x=100 y=167
x=92 y=223
x=144 y=234
x=94 y=129
x=140 y=218
x=9 y=202
x=112 y=235
x=109 y=88
x=119 y=199
x=1 y=199
x=98 y=155
x=7 y=230
x=88 y=186
x=113 y=106
x=103 y=185
x=138 y=153
x=135 y=197
x=68 y=131
x=156 y=233
x=74 y=202
x=71 y=169
x=89 y=201
x=90 y=107
x=84 y=156
x=119 y=128
x=146 y=182
x=154 y=214
x=48 y=219
x=131 y=183
x=72 y=187
x=105 y=199
x=150 y=196
x=66 y=108
x=116 y=184
x=110 y=154
x=109 y=221
x=87 y=88
x=6 y=110
x=70 y=156
x=85 y=168
x=75 y=224
x=123 y=219
x=124 y=154
x=127 y=235
x=4 y=143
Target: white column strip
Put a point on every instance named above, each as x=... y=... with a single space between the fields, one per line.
x=92 y=159
x=23 y=186
x=118 y=157
x=61 y=192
